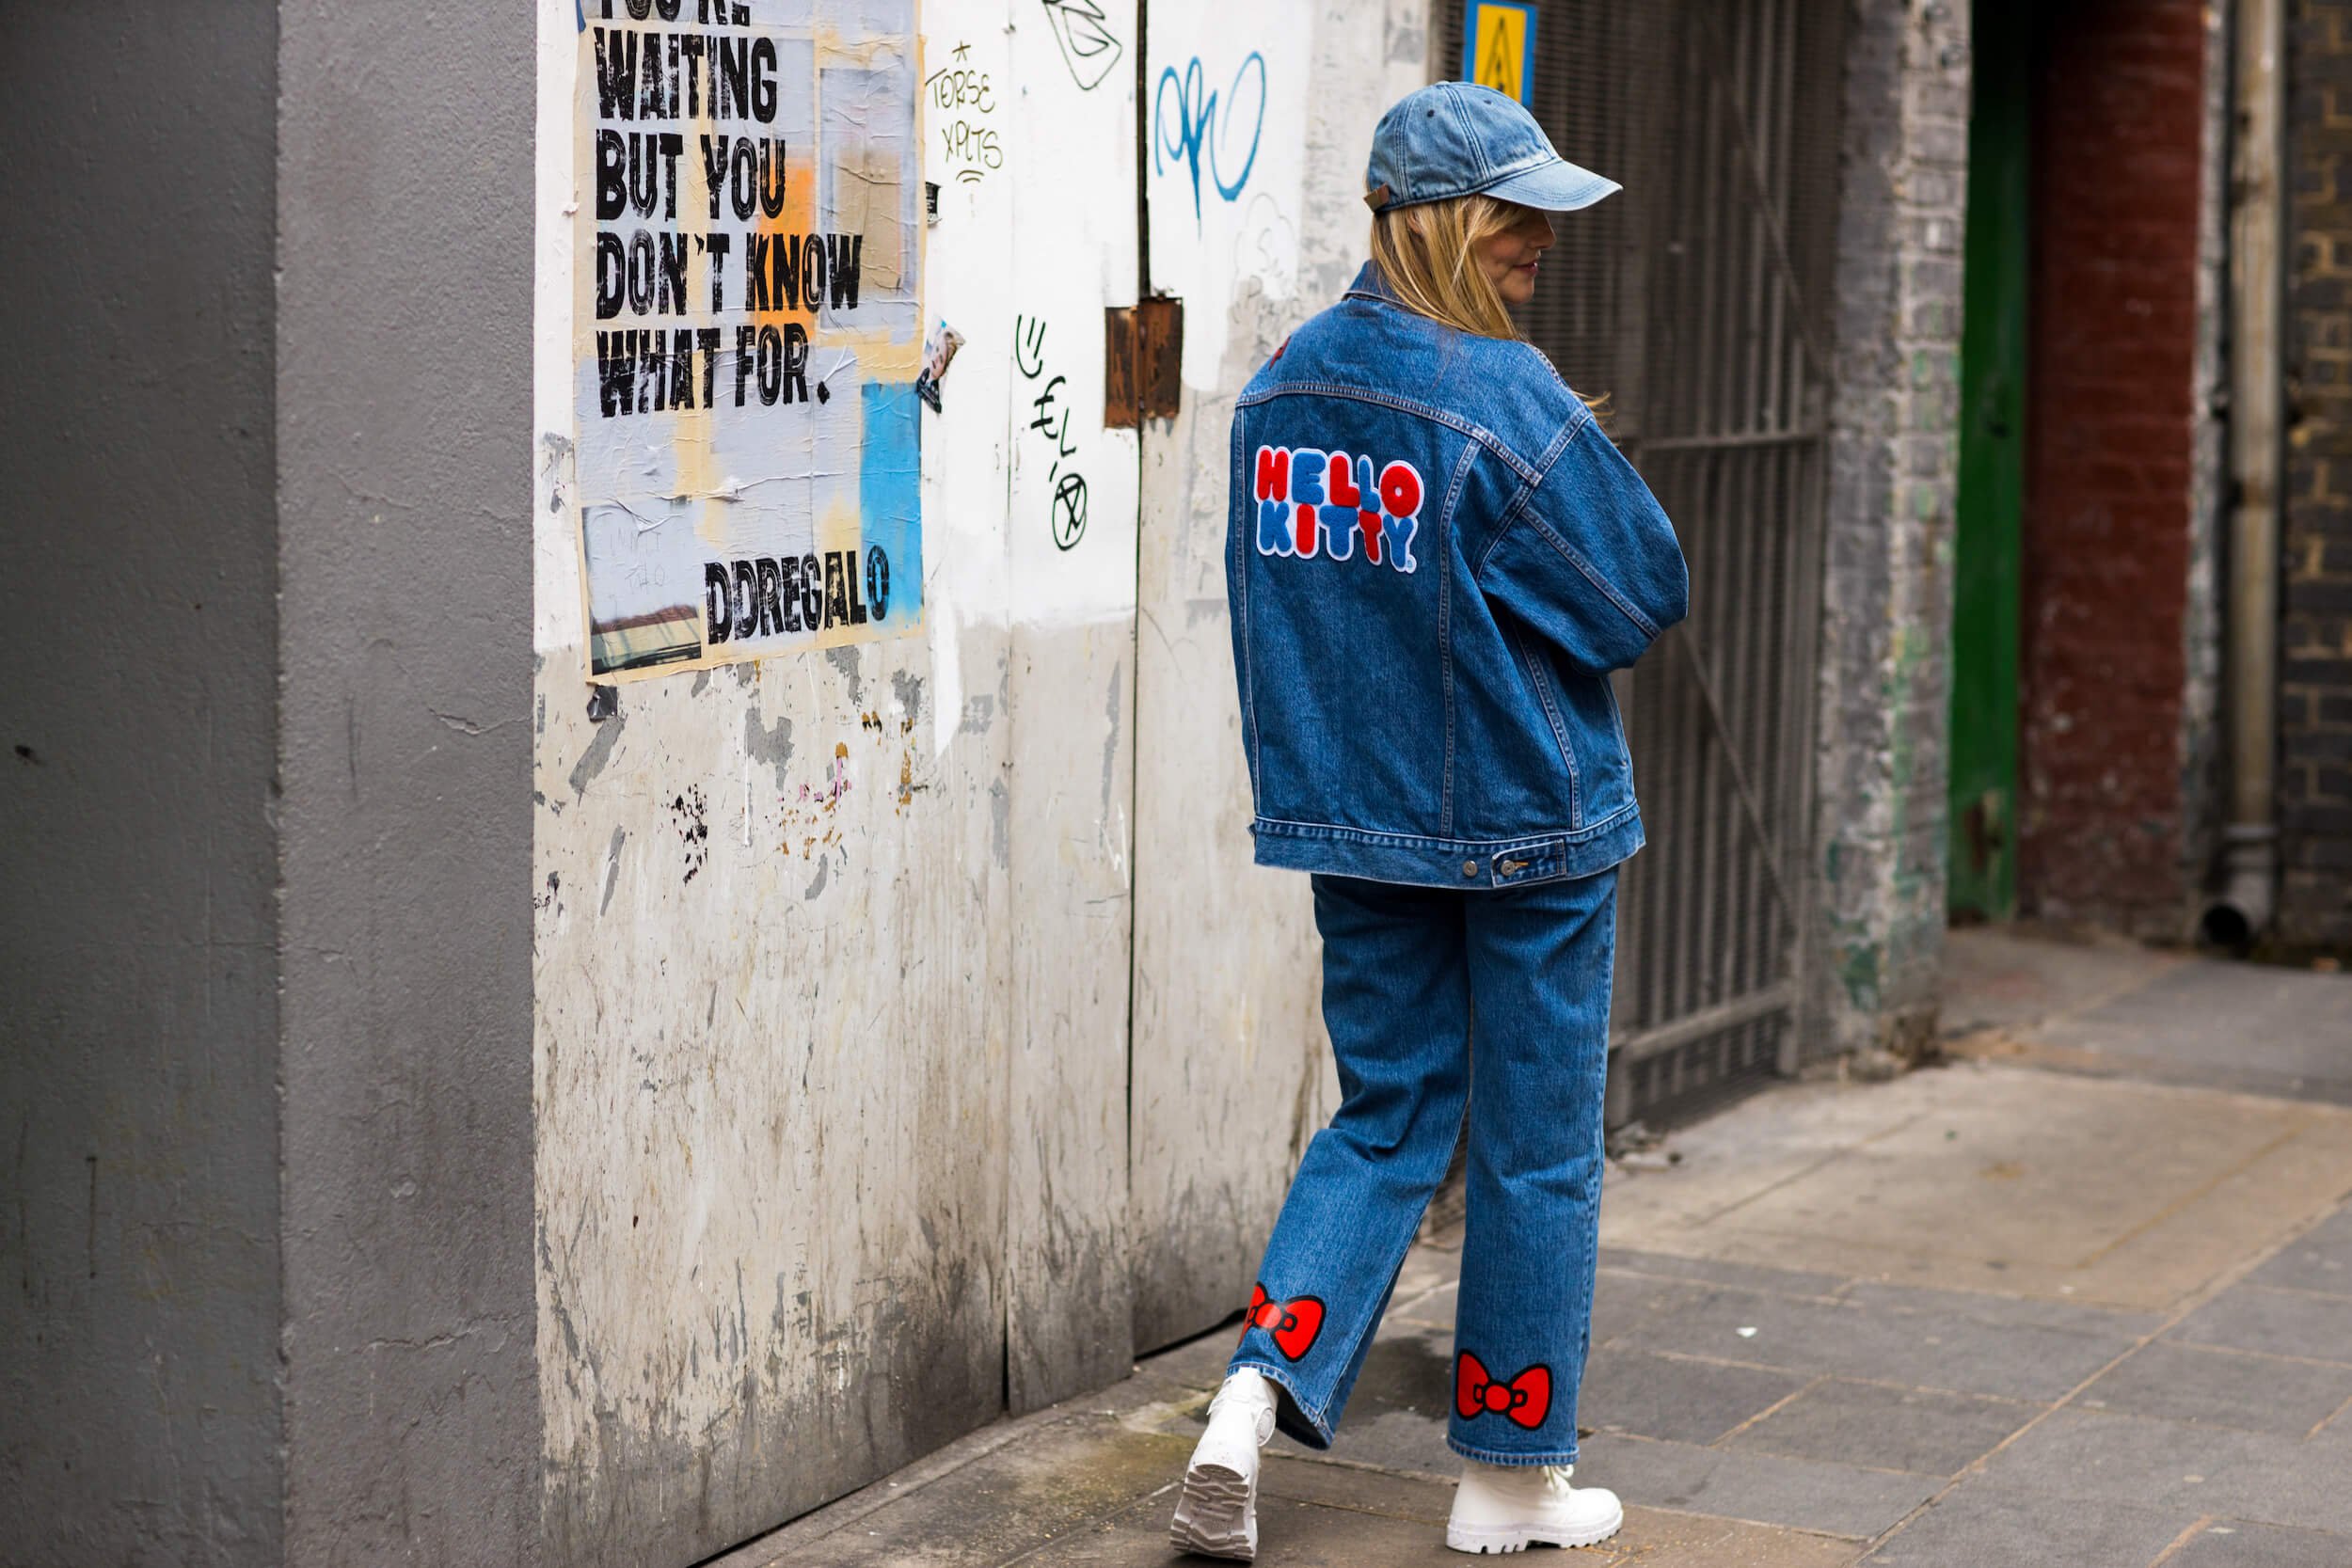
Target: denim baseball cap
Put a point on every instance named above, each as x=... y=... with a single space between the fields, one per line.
x=1457 y=139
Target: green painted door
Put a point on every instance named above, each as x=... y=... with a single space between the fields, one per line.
x=1984 y=881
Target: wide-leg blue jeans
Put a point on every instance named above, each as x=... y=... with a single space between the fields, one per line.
x=1404 y=970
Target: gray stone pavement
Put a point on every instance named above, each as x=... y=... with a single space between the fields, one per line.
x=2029 y=1308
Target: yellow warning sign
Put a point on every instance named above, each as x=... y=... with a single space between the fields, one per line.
x=1498 y=46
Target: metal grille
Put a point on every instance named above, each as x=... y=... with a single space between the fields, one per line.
x=1696 y=300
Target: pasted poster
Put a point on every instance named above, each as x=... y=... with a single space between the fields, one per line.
x=747 y=328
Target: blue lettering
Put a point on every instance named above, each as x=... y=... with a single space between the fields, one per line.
x=1337 y=525
x=1274 y=527
x=1307 y=471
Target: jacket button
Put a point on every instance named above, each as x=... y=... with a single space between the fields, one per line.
x=1470 y=868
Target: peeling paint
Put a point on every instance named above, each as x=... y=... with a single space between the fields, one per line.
x=772 y=746
x=611 y=867
x=591 y=761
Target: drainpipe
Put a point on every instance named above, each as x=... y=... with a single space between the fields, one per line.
x=2249 y=856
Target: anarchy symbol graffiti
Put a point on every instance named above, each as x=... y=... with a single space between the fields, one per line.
x=1070 y=509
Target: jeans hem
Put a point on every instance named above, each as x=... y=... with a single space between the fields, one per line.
x=1318 y=1432
x=1490 y=1456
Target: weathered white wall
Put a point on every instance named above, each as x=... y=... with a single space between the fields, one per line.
x=1231 y=1069
x=798 y=1163
x=843 y=990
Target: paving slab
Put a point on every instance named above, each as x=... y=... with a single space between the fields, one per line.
x=1981 y=1524
x=2109 y=1008
x=2319 y=1259
x=2275 y=1321
x=1874 y=1426
x=1922 y=1350
x=2254 y=1393
x=1714 y=1270
x=2144 y=1463
x=1986 y=1177
x=2004 y=1311
x=2258 y=1025
x=2235 y=1543
x=1638 y=1394
x=2102 y=1457
x=1370 y=1522
x=1760 y=1488
x=1059 y=1476
x=2018 y=977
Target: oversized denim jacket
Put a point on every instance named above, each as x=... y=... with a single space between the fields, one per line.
x=1434 y=557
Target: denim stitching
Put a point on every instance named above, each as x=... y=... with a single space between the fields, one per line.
x=1396 y=1263
x=1448 y=845
x=1513 y=1461
x=1559 y=734
x=1525 y=469
x=1576 y=559
x=1445 y=626
x=1237 y=576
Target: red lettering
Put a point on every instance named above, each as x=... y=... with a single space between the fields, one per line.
x=1343 y=485
x=1274 y=473
x=1368 y=524
x=1400 y=490
x=1306 y=530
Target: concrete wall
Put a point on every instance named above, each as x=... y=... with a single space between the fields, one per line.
x=1233 y=1072
x=403 y=437
x=1887 y=606
x=138 y=1126
x=832 y=957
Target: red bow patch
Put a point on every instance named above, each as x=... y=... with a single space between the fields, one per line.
x=1292 y=1324
x=1526 y=1399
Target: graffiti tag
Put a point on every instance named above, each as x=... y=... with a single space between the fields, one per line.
x=1067 y=509
x=967 y=102
x=1084 y=33
x=1200 y=127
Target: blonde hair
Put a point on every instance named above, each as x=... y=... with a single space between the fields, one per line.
x=1427 y=254
x=1430 y=263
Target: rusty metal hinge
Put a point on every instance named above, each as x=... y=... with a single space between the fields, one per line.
x=1142 y=362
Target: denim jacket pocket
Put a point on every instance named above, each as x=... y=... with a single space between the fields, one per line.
x=1604 y=768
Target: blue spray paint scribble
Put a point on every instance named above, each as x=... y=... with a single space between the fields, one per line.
x=1199 y=125
x=890 y=500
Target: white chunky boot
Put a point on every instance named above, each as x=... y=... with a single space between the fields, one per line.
x=1218 y=1513
x=1509 y=1508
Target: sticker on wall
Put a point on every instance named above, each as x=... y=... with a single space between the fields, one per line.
x=747 y=347
x=1499 y=47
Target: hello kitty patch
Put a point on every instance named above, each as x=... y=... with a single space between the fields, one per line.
x=1315 y=503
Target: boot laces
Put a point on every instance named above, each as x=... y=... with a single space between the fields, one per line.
x=1556 y=1479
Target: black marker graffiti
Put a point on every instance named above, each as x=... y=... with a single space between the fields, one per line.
x=1028 y=348
x=1086 y=46
x=966 y=104
x=1067 y=511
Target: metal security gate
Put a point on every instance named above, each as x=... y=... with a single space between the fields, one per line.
x=1697 y=300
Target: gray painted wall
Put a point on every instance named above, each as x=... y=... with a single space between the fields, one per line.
x=138 y=1322
x=404 y=445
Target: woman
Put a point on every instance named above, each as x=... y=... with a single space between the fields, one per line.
x=1435 y=557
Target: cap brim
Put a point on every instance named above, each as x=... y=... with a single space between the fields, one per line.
x=1554 y=187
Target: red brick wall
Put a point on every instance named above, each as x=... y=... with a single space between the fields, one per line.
x=2106 y=520
x=2315 y=606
